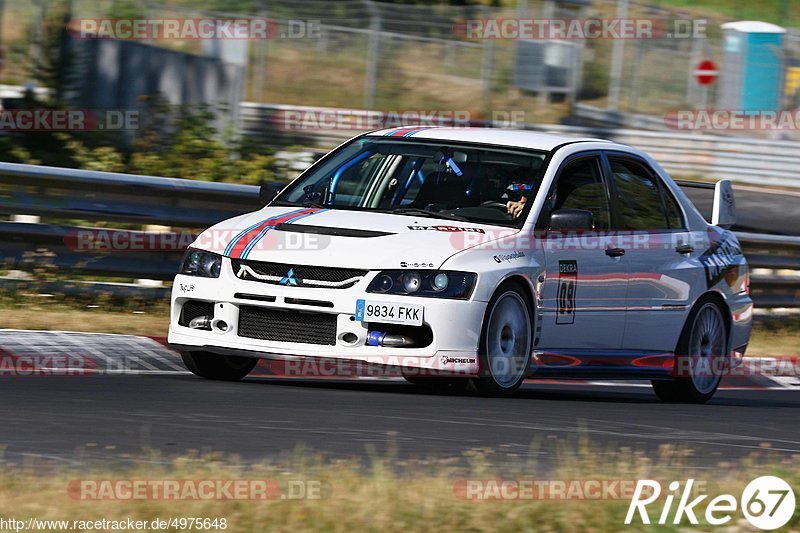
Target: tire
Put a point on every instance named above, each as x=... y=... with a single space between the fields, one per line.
x=219 y=367
x=703 y=341
x=506 y=342
x=437 y=384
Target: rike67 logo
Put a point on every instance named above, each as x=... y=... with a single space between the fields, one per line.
x=767 y=502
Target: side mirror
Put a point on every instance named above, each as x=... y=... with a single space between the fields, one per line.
x=571 y=219
x=724 y=214
x=269 y=191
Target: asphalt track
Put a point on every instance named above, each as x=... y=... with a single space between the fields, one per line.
x=119 y=418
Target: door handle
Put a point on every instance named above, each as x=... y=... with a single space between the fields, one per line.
x=615 y=252
x=684 y=249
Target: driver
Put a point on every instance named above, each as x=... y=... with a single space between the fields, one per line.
x=517 y=193
x=515 y=208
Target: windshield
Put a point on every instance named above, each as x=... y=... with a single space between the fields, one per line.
x=420 y=178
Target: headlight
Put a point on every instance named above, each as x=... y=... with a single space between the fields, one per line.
x=440 y=281
x=411 y=282
x=382 y=283
x=427 y=283
x=200 y=263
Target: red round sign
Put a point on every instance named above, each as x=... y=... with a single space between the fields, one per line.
x=706 y=72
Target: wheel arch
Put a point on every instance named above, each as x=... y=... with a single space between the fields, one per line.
x=525 y=282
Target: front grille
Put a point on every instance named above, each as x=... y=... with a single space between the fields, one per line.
x=297 y=275
x=287 y=326
x=193 y=309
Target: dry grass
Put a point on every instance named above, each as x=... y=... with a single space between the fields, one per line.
x=775 y=336
x=39 y=313
x=382 y=494
x=772 y=336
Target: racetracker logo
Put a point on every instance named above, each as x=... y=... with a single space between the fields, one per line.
x=196 y=489
x=767 y=502
x=732 y=120
x=508 y=240
x=194 y=28
x=383 y=366
x=720 y=365
x=44 y=365
x=543 y=489
x=579 y=28
x=359 y=119
x=94 y=240
x=71 y=120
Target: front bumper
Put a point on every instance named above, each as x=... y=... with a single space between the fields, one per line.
x=455 y=324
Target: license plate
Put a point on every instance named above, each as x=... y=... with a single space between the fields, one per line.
x=392 y=313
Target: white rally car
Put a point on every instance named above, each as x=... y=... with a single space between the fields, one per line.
x=474 y=255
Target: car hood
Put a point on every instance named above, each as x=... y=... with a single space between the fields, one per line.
x=344 y=238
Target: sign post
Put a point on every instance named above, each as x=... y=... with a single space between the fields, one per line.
x=706 y=73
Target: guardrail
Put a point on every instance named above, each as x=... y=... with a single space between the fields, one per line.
x=758 y=161
x=56 y=250
x=189 y=205
x=775 y=254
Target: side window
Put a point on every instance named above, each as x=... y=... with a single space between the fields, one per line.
x=580 y=186
x=639 y=197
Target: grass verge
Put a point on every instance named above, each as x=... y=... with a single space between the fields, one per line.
x=39 y=313
x=384 y=493
x=777 y=336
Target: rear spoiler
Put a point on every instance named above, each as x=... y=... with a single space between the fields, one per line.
x=724 y=212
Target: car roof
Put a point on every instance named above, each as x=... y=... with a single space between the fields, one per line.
x=495 y=136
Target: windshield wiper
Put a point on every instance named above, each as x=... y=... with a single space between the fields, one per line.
x=426 y=213
x=305 y=203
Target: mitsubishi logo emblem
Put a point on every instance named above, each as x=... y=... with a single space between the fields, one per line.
x=289 y=279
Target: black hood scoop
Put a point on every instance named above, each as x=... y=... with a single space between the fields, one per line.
x=337 y=232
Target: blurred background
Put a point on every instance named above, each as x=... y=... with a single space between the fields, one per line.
x=232 y=113
x=387 y=56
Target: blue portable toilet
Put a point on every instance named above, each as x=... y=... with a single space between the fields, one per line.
x=752 y=66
